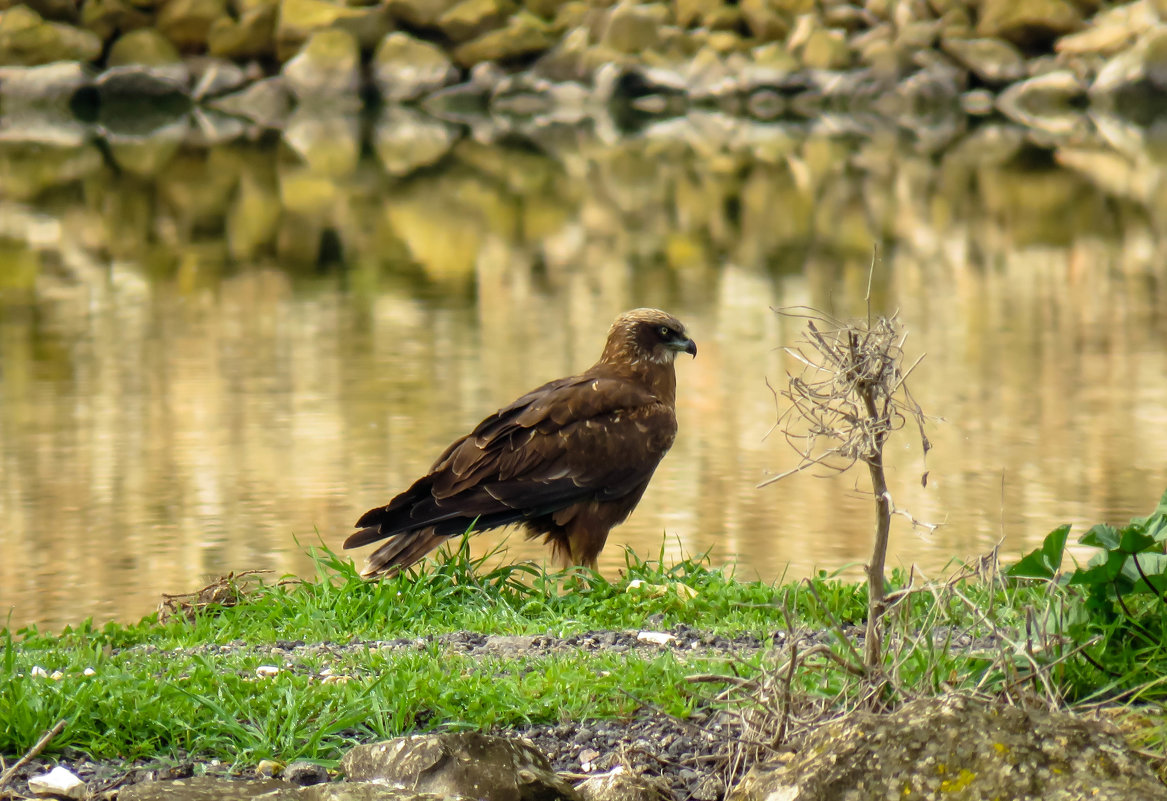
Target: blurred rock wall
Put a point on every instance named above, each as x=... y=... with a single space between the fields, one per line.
x=1033 y=60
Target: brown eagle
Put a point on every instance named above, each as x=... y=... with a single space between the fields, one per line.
x=568 y=460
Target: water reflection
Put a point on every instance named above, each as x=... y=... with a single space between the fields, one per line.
x=211 y=352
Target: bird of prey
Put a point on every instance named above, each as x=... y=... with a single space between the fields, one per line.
x=567 y=461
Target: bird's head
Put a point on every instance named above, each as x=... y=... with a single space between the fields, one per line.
x=647 y=335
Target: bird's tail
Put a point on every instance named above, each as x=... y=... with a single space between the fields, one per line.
x=401 y=551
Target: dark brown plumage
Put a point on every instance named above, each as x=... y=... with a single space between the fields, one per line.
x=568 y=460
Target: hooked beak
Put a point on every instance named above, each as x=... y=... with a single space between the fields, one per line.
x=684 y=346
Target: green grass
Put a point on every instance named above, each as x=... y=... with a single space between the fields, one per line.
x=192 y=686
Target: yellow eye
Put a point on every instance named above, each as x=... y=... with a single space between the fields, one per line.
x=664 y=331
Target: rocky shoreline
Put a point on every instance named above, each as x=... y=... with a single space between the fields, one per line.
x=956 y=745
x=1033 y=61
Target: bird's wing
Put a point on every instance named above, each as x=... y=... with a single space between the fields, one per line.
x=565 y=441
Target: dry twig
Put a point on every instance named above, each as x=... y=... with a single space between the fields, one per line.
x=33 y=752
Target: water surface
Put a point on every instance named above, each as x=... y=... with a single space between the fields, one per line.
x=214 y=355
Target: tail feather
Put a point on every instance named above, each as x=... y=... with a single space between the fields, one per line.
x=400 y=552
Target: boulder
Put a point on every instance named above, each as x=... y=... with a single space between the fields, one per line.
x=460 y=763
x=146 y=47
x=525 y=35
x=634 y=29
x=26 y=39
x=299 y=19
x=186 y=22
x=1110 y=31
x=697 y=13
x=957 y=747
x=267 y=102
x=420 y=13
x=58 y=81
x=107 y=17
x=327 y=70
x=250 y=36
x=994 y=61
x=772 y=20
x=405 y=68
x=55 y=10
x=143 y=83
x=826 y=49
x=472 y=18
x=1028 y=23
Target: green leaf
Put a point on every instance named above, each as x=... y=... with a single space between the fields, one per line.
x=1101 y=536
x=1134 y=540
x=1043 y=562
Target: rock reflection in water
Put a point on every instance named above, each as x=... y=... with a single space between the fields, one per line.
x=208 y=351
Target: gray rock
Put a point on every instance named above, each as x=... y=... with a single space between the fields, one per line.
x=406 y=68
x=461 y=763
x=58 y=81
x=961 y=748
x=267 y=102
x=142 y=82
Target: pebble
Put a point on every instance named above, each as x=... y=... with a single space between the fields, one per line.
x=57 y=783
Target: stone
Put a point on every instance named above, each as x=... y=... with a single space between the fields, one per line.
x=472 y=18
x=205 y=788
x=57 y=81
x=420 y=13
x=772 y=20
x=695 y=13
x=27 y=40
x=267 y=102
x=326 y=71
x=460 y=763
x=1028 y=23
x=957 y=747
x=143 y=82
x=1110 y=31
x=634 y=28
x=107 y=17
x=146 y=47
x=621 y=784
x=994 y=61
x=186 y=22
x=406 y=140
x=826 y=49
x=299 y=19
x=250 y=36
x=55 y=10
x=1044 y=102
x=58 y=783
x=525 y=35
x=405 y=68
